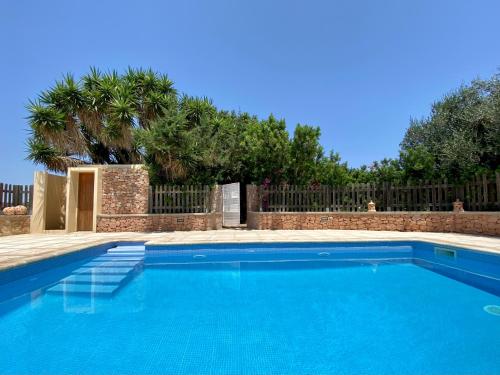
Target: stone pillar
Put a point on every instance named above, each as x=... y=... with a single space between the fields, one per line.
x=252 y=199
x=458 y=206
x=216 y=199
x=371 y=207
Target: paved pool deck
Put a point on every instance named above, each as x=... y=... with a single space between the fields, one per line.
x=22 y=249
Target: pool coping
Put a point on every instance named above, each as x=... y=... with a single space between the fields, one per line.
x=239 y=242
x=166 y=240
x=64 y=251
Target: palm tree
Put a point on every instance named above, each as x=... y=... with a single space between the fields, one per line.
x=92 y=120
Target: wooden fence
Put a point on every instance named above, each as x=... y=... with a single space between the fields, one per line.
x=480 y=194
x=14 y=195
x=165 y=199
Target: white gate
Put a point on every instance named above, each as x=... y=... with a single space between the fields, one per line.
x=231 y=205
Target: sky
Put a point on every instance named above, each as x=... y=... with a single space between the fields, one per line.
x=357 y=69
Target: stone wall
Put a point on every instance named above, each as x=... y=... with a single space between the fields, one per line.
x=14 y=224
x=125 y=205
x=466 y=222
x=158 y=222
x=478 y=223
x=125 y=190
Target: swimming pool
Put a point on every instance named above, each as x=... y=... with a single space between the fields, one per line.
x=303 y=308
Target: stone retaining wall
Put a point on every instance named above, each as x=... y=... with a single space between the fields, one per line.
x=159 y=222
x=14 y=224
x=466 y=222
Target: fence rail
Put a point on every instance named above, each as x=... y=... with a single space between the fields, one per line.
x=164 y=199
x=14 y=195
x=480 y=194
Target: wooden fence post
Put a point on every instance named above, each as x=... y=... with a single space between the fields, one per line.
x=485 y=191
x=497 y=184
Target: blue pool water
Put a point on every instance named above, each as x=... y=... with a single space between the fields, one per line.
x=379 y=308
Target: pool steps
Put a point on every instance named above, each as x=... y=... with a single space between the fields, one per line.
x=104 y=275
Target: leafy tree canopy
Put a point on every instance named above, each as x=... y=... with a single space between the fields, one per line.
x=460 y=137
x=138 y=117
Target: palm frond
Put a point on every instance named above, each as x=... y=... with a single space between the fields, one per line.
x=47 y=122
x=41 y=153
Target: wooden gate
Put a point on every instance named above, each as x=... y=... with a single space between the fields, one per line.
x=231 y=205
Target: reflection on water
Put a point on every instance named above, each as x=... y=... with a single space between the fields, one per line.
x=83 y=304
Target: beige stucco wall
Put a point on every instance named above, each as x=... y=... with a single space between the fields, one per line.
x=38 y=210
x=49 y=200
x=55 y=210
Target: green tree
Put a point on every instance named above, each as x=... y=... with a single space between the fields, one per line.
x=333 y=172
x=461 y=135
x=418 y=164
x=171 y=150
x=265 y=150
x=386 y=170
x=305 y=155
x=227 y=147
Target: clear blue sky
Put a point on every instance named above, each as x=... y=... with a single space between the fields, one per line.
x=358 y=69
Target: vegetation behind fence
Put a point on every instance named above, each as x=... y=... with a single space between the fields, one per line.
x=480 y=194
x=165 y=199
x=14 y=195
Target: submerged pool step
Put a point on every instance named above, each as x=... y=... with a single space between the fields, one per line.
x=85 y=289
x=104 y=275
x=127 y=250
x=92 y=279
x=103 y=270
x=111 y=264
x=125 y=253
x=119 y=258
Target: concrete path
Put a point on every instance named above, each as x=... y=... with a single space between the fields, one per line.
x=22 y=249
x=26 y=248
